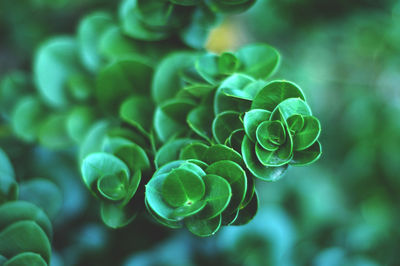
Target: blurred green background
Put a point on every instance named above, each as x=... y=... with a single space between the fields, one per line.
x=342 y=210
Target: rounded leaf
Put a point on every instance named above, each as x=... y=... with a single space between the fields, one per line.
x=182 y=187
x=203 y=227
x=260 y=171
x=218 y=194
x=308 y=134
x=274 y=93
x=252 y=119
x=236 y=177
x=97 y=165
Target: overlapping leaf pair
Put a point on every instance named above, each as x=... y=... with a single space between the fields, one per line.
x=206 y=188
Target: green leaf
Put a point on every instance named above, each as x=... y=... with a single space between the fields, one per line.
x=195 y=150
x=270 y=132
x=117 y=216
x=182 y=187
x=15 y=211
x=307 y=156
x=170 y=151
x=138 y=112
x=129 y=152
x=221 y=152
x=252 y=119
x=156 y=202
x=166 y=79
x=208 y=68
x=113 y=44
x=218 y=194
x=274 y=93
x=235 y=139
x=224 y=124
x=228 y=63
x=90 y=30
x=308 y=134
x=295 y=123
x=24 y=236
x=290 y=107
x=27 y=118
x=119 y=80
x=53 y=134
x=247 y=213
x=165 y=127
x=93 y=141
x=258 y=60
x=235 y=175
x=178 y=108
x=8 y=185
x=159 y=219
x=43 y=193
x=255 y=167
x=195 y=33
x=97 y=165
x=26 y=259
x=203 y=227
x=277 y=157
x=114 y=186
x=200 y=121
x=133 y=26
x=231 y=94
x=55 y=61
x=79 y=121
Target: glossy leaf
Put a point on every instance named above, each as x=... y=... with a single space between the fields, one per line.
x=195 y=150
x=116 y=216
x=274 y=93
x=224 y=124
x=43 y=193
x=182 y=187
x=218 y=194
x=221 y=152
x=200 y=121
x=166 y=79
x=121 y=79
x=247 y=213
x=252 y=119
x=24 y=236
x=170 y=151
x=255 y=167
x=137 y=111
x=97 y=165
x=90 y=31
x=55 y=61
x=308 y=134
x=258 y=60
x=26 y=259
x=235 y=175
x=307 y=156
x=203 y=227
x=27 y=118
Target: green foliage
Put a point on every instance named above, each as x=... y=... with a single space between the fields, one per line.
x=181 y=133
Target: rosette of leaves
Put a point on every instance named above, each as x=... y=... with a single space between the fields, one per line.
x=114 y=175
x=280 y=130
x=206 y=188
x=185 y=86
x=25 y=233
